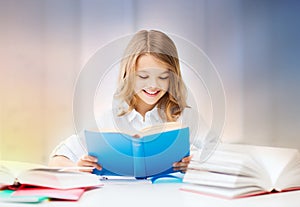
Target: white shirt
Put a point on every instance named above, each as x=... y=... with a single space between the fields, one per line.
x=74 y=147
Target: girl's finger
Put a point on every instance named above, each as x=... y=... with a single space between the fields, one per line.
x=89 y=158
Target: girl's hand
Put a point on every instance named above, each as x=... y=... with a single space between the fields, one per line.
x=182 y=165
x=88 y=161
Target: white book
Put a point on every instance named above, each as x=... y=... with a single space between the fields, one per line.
x=236 y=170
x=16 y=173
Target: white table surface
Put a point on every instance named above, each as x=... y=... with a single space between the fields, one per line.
x=152 y=195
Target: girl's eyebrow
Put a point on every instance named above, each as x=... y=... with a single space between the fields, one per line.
x=145 y=71
x=166 y=72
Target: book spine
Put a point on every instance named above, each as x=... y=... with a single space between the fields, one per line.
x=138 y=159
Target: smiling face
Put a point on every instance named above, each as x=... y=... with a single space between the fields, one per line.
x=150 y=76
x=151 y=82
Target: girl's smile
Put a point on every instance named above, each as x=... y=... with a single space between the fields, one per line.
x=150 y=92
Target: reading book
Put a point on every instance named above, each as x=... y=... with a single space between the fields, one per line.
x=15 y=173
x=235 y=171
x=151 y=154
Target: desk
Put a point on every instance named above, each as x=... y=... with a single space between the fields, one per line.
x=152 y=195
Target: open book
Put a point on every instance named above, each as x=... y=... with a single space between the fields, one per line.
x=236 y=170
x=15 y=173
x=152 y=153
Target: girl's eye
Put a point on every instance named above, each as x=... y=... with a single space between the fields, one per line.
x=164 y=77
x=143 y=76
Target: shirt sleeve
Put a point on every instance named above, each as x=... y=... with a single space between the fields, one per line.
x=203 y=139
x=73 y=148
x=198 y=127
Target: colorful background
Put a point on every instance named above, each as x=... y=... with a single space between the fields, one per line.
x=254 y=45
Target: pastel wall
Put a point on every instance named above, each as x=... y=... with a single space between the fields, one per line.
x=254 y=45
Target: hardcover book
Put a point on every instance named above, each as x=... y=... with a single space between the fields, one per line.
x=151 y=153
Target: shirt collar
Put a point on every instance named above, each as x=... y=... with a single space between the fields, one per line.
x=153 y=114
x=132 y=115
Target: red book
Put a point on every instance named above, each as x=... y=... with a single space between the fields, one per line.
x=62 y=194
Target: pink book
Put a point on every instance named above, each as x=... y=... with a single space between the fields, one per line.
x=63 y=194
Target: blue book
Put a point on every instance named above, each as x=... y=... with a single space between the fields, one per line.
x=152 y=154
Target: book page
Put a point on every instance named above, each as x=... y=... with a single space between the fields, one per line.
x=220 y=180
x=59 y=179
x=128 y=132
x=229 y=162
x=154 y=129
x=230 y=166
x=238 y=166
x=158 y=128
x=221 y=192
x=259 y=162
x=290 y=176
x=273 y=159
x=6 y=176
x=10 y=170
x=37 y=174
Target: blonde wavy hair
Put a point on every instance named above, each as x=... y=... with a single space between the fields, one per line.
x=163 y=49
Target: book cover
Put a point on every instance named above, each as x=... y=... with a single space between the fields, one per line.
x=6 y=196
x=150 y=155
x=72 y=194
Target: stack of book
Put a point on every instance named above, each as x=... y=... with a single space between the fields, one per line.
x=32 y=183
x=235 y=171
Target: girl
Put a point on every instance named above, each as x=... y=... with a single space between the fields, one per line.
x=150 y=91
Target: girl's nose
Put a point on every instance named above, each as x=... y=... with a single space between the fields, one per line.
x=152 y=82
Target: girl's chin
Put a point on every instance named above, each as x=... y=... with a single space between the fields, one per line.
x=149 y=100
